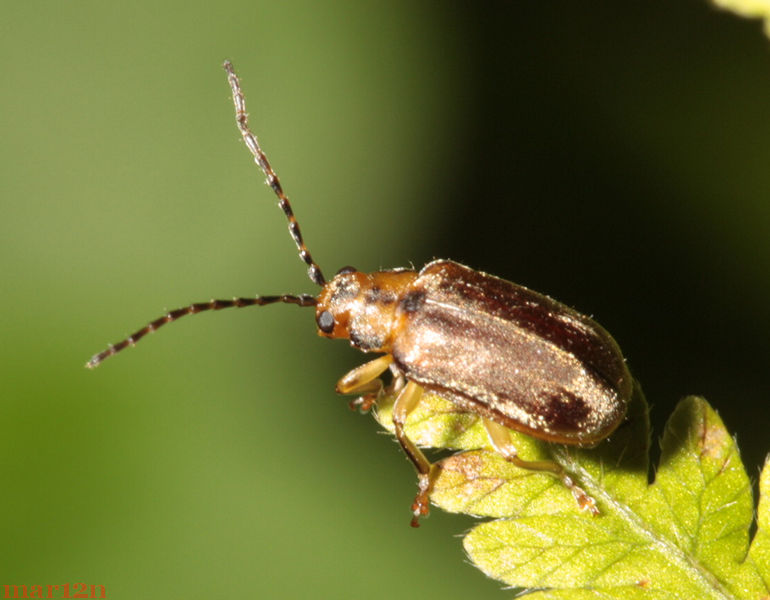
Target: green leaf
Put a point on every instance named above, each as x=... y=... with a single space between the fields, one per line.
x=748 y=8
x=684 y=536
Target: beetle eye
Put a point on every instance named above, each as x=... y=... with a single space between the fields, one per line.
x=346 y=270
x=325 y=322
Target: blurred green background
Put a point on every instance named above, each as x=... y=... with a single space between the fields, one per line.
x=613 y=155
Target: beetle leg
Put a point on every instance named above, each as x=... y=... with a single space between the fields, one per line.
x=369 y=395
x=500 y=438
x=364 y=380
x=398 y=382
x=406 y=402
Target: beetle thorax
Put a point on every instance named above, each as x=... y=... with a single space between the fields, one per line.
x=362 y=306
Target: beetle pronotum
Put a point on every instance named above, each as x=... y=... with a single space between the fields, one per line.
x=516 y=358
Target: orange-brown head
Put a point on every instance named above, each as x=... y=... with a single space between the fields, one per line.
x=362 y=306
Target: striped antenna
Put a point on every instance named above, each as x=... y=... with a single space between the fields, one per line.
x=241 y=118
x=97 y=359
x=314 y=271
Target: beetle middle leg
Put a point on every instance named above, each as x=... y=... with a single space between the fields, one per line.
x=500 y=438
x=365 y=380
x=427 y=472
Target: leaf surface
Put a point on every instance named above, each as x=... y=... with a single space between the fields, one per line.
x=683 y=536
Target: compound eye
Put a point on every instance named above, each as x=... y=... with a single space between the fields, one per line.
x=346 y=270
x=325 y=322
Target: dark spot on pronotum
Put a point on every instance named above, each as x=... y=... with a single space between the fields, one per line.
x=412 y=301
x=365 y=341
x=346 y=270
x=376 y=295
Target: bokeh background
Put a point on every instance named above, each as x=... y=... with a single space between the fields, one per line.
x=614 y=155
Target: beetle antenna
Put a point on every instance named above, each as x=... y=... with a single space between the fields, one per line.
x=173 y=315
x=241 y=118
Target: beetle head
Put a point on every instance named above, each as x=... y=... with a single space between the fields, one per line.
x=362 y=306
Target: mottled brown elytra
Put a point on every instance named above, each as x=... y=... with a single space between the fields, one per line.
x=518 y=359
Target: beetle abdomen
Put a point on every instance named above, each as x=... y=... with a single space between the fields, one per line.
x=511 y=354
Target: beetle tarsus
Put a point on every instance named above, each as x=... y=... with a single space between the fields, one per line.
x=419 y=509
x=585 y=502
x=364 y=403
x=421 y=504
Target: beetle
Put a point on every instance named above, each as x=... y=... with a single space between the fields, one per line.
x=517 y=358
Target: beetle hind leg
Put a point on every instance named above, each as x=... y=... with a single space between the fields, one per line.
x=500 y=438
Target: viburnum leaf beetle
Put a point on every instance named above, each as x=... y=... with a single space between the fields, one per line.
x=516 y=358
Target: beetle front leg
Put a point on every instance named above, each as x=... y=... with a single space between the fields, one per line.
x=500 y=438
x=364 y=381
x=426 y=472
